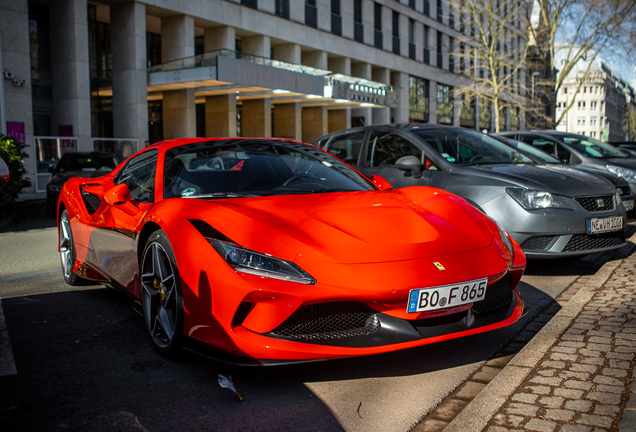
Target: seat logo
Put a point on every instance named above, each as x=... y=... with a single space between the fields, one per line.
x=600 y=203
x=439 y=266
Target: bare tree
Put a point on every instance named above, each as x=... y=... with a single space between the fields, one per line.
x=580 y=30
x=491 y=52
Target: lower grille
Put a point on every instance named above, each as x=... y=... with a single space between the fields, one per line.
x=335 y=320
x=591 y=203
x=581 y=242
x=498 y=296
x=537 y=243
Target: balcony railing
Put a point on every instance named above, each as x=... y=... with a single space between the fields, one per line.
x=378 y=39
x=336 y=24
x=311 y=15
x=396 y=45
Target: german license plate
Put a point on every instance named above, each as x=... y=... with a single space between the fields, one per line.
x=601 y=225
x=629 y=205
x=426 y=299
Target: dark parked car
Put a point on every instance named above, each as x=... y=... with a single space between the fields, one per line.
x=4 y=173
x=87 y=165
x=542 y=158
x=550 y=214
x=579 y=150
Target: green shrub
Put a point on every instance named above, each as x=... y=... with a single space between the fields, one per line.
x=12 y=152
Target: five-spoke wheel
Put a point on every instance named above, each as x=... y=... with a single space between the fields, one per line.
x=67 y=250
x=161 y=294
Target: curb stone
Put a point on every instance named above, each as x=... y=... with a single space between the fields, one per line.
x=478 y=413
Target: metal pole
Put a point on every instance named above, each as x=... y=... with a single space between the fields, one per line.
x=3 y=119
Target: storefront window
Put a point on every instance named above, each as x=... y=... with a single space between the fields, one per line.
x=444 y=105
x=418 y=100
x=467 y=112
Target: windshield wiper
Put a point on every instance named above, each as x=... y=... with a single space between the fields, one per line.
x=219 y=195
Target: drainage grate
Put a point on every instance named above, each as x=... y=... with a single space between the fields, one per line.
x=498 y=295
x=334 y=320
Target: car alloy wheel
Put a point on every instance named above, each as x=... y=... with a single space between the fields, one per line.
x=161 y=294
x=67 y=250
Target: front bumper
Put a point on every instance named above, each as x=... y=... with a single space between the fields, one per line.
x=554 y=233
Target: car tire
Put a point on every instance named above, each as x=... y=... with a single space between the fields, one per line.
x=67 y=251
x=161 y=295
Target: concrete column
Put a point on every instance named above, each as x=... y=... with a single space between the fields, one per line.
x=316 y=59
x=315 y=123
x=381 y=115
x=288 y=121
x=289 y=53
x=130 y=95
x=220 y=111
x=362 y=70
x=346 y=12
x=341 y=65
x=70 y=71
x=179 y=109
x=15 y=52
x=339 y=119
x=400 y=114
x=419 y=38
x=432 y=102
x=404 y=35
x=367 y=22
x=215 y=38
x=324 y=14
x=220 y=116
x=256 y=45
x=257 y=118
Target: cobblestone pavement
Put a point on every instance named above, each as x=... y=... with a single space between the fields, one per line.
x=584 y=382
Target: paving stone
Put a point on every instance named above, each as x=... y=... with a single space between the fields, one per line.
x=578 y=405
x=485 y=374
x=522 y=409
x=581 y=376
x=620 y=373
x=564 y=349
x=514 y=420
x=581 y=385
x=431 y=425
x=604 y=398
x=580 y=367
x=593 y=360
x=562 y=356
x=542 y=390
x=469 y=390
x=540 y=425
x=575 y=428
x=602 y=379
x=500 y=362
x=525 y=397
x=568 y=393
x=547 y=372
x=559 y=414
x=553 y=364
x=595 y=420
x=625 y=349
x=606 y=410
x=600 y=340
x=619 y=364
x=547 y=381
x=449 y=409
x=552 y=402
x=610 y=389
x=620 y=356
x=571 y=337
x=589 y=353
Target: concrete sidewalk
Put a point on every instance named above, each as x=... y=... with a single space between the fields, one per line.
x=577 y=373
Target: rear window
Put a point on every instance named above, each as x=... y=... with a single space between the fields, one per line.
x=70 y=162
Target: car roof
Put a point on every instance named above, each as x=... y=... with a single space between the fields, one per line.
x=396 y=126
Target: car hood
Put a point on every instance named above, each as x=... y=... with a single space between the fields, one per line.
x=559 y=180
x=59 y=178
x=352 y=227
x=622 y=162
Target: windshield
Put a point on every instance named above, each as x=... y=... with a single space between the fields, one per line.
x=73 y=162
x=463 y=147
x=237 y=168
x=591 y=147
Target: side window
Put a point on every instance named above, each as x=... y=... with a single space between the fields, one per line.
x=139 y=176
x=347 y=147
x=386 y=148
x=539 y=143
x=564 y=154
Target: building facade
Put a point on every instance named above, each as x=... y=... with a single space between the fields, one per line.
x=116 y=75
x=598 y=100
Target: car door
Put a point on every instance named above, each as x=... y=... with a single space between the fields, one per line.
x=383 y=149
x=346 y=147
x=115 y=227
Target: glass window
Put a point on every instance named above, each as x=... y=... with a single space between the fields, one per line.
x=538 y=142
x=139 y=176
x=377 y=16
x=386 y=148
x=347 y=147
x=357 y=11
x=418 y=99
x=591 y=147
x=444 y=105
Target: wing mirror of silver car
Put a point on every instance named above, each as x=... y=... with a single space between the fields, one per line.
x=412 y=164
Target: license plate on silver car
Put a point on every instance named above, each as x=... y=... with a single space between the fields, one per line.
x=601 y=225
x=426 y=299
x=629 y=205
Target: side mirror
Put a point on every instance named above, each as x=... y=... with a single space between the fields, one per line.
x=412 y=164
x=119 y=196
x=380 y=182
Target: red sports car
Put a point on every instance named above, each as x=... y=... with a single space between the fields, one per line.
x=266 y=250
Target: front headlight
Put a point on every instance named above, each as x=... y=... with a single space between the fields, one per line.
x=532 y=199
x=247 y=261
x=54 y=188
x=627 y=174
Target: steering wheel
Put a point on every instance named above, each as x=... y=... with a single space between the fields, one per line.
x=294 y=178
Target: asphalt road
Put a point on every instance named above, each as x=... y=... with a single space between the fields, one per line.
x=83 y=361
